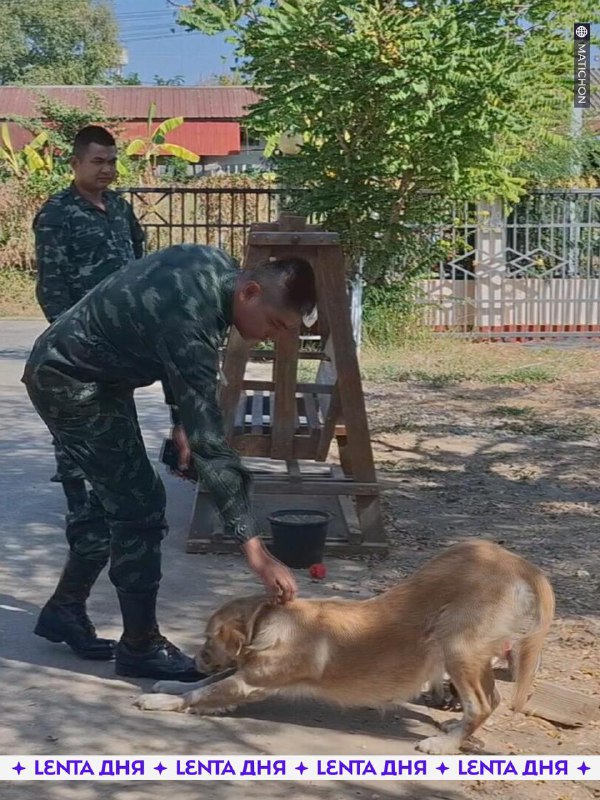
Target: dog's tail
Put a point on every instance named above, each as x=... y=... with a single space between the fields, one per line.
x=529 y=649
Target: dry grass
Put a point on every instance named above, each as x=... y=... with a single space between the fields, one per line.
x=443 y=362
x=440 y=363
x=17 y=294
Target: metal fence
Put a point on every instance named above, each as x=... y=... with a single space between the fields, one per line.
x=213 y=216
x=530 y=270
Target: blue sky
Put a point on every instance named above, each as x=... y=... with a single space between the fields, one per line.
x=153 y=50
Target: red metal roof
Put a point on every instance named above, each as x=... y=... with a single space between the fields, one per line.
x=202 y=138
x=132 y=102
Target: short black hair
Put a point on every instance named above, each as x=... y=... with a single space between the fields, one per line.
x=287 y=282
x=92 y=134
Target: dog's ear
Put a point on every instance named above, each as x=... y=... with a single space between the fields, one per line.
x=263 y=604
x=238 y=631
x=232 y=636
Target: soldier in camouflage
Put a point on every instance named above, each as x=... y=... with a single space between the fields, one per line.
x=82 y=235
x=161 y=318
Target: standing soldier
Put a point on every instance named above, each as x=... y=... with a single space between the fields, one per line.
x=82 y=235
x=161 y=318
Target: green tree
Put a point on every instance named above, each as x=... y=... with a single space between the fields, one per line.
x=58 y=123
x=176 y=80
x=387 y=99
x=131 y=79
x=63 y=121
x=57 y=42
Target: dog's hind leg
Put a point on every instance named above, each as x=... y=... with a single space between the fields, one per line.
x=479 y=697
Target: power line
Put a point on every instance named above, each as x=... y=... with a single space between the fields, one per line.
x=155 y=38
x=147 y=13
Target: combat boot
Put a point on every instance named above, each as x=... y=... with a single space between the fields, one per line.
x=143 y=652
x=64 y=617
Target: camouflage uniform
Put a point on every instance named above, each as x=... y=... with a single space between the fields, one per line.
x=78 y=245
x=161 y=318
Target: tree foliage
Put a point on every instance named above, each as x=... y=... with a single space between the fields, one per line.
x=62 y=121
x=57 y=42
x=392 y=98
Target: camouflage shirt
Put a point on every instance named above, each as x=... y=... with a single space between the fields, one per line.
x=161 y=318
x=78 y=244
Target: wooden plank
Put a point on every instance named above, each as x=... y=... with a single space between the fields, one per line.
x=335 y=549
x=316 y=487
x=260 y=445
x=234 y=368
x=344 y=453
x=263 y=226
x=303 y=388
x=236 y=358
x=291 y=222
x=331 y=285
x=565 y=706
x=269 y=355
x=268 y=466
x=303 y=239
x=283 y=412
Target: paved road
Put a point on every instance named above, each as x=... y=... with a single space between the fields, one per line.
x=53 y=703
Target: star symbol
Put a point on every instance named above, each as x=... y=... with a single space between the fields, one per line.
x=19 y=768
x=583 y=768
x=160 y=768
x=301 y=769
x=442 y=768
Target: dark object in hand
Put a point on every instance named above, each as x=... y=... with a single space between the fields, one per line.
x=170 y=457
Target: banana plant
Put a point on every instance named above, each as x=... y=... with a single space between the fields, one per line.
x=32 y=158
x=154 y=145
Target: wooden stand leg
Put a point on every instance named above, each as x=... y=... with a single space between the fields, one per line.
x=346 y=463
x=332 y=287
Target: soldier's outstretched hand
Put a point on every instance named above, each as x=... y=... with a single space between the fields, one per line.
x=277 y=578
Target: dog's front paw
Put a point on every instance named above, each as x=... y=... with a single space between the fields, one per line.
x=439 y=746
x=159 y=702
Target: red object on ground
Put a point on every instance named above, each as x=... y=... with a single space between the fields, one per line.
x=317 y=571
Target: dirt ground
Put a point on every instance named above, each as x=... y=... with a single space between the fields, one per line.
x=517 y=463
x=469 y=440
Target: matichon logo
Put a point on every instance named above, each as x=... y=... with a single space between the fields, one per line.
x=582 y=32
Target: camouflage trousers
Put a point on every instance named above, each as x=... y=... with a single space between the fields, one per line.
x=96 y=427
x=66 y=469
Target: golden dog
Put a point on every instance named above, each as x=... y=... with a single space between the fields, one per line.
x=454 y=616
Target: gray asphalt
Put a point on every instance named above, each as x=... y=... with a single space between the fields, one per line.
x=53 y=703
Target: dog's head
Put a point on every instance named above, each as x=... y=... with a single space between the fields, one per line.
x=229 y=631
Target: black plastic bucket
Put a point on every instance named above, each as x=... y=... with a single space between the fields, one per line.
x=299 y=536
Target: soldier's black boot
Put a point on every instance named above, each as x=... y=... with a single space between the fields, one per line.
x=64 y=617
x=143 y=652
